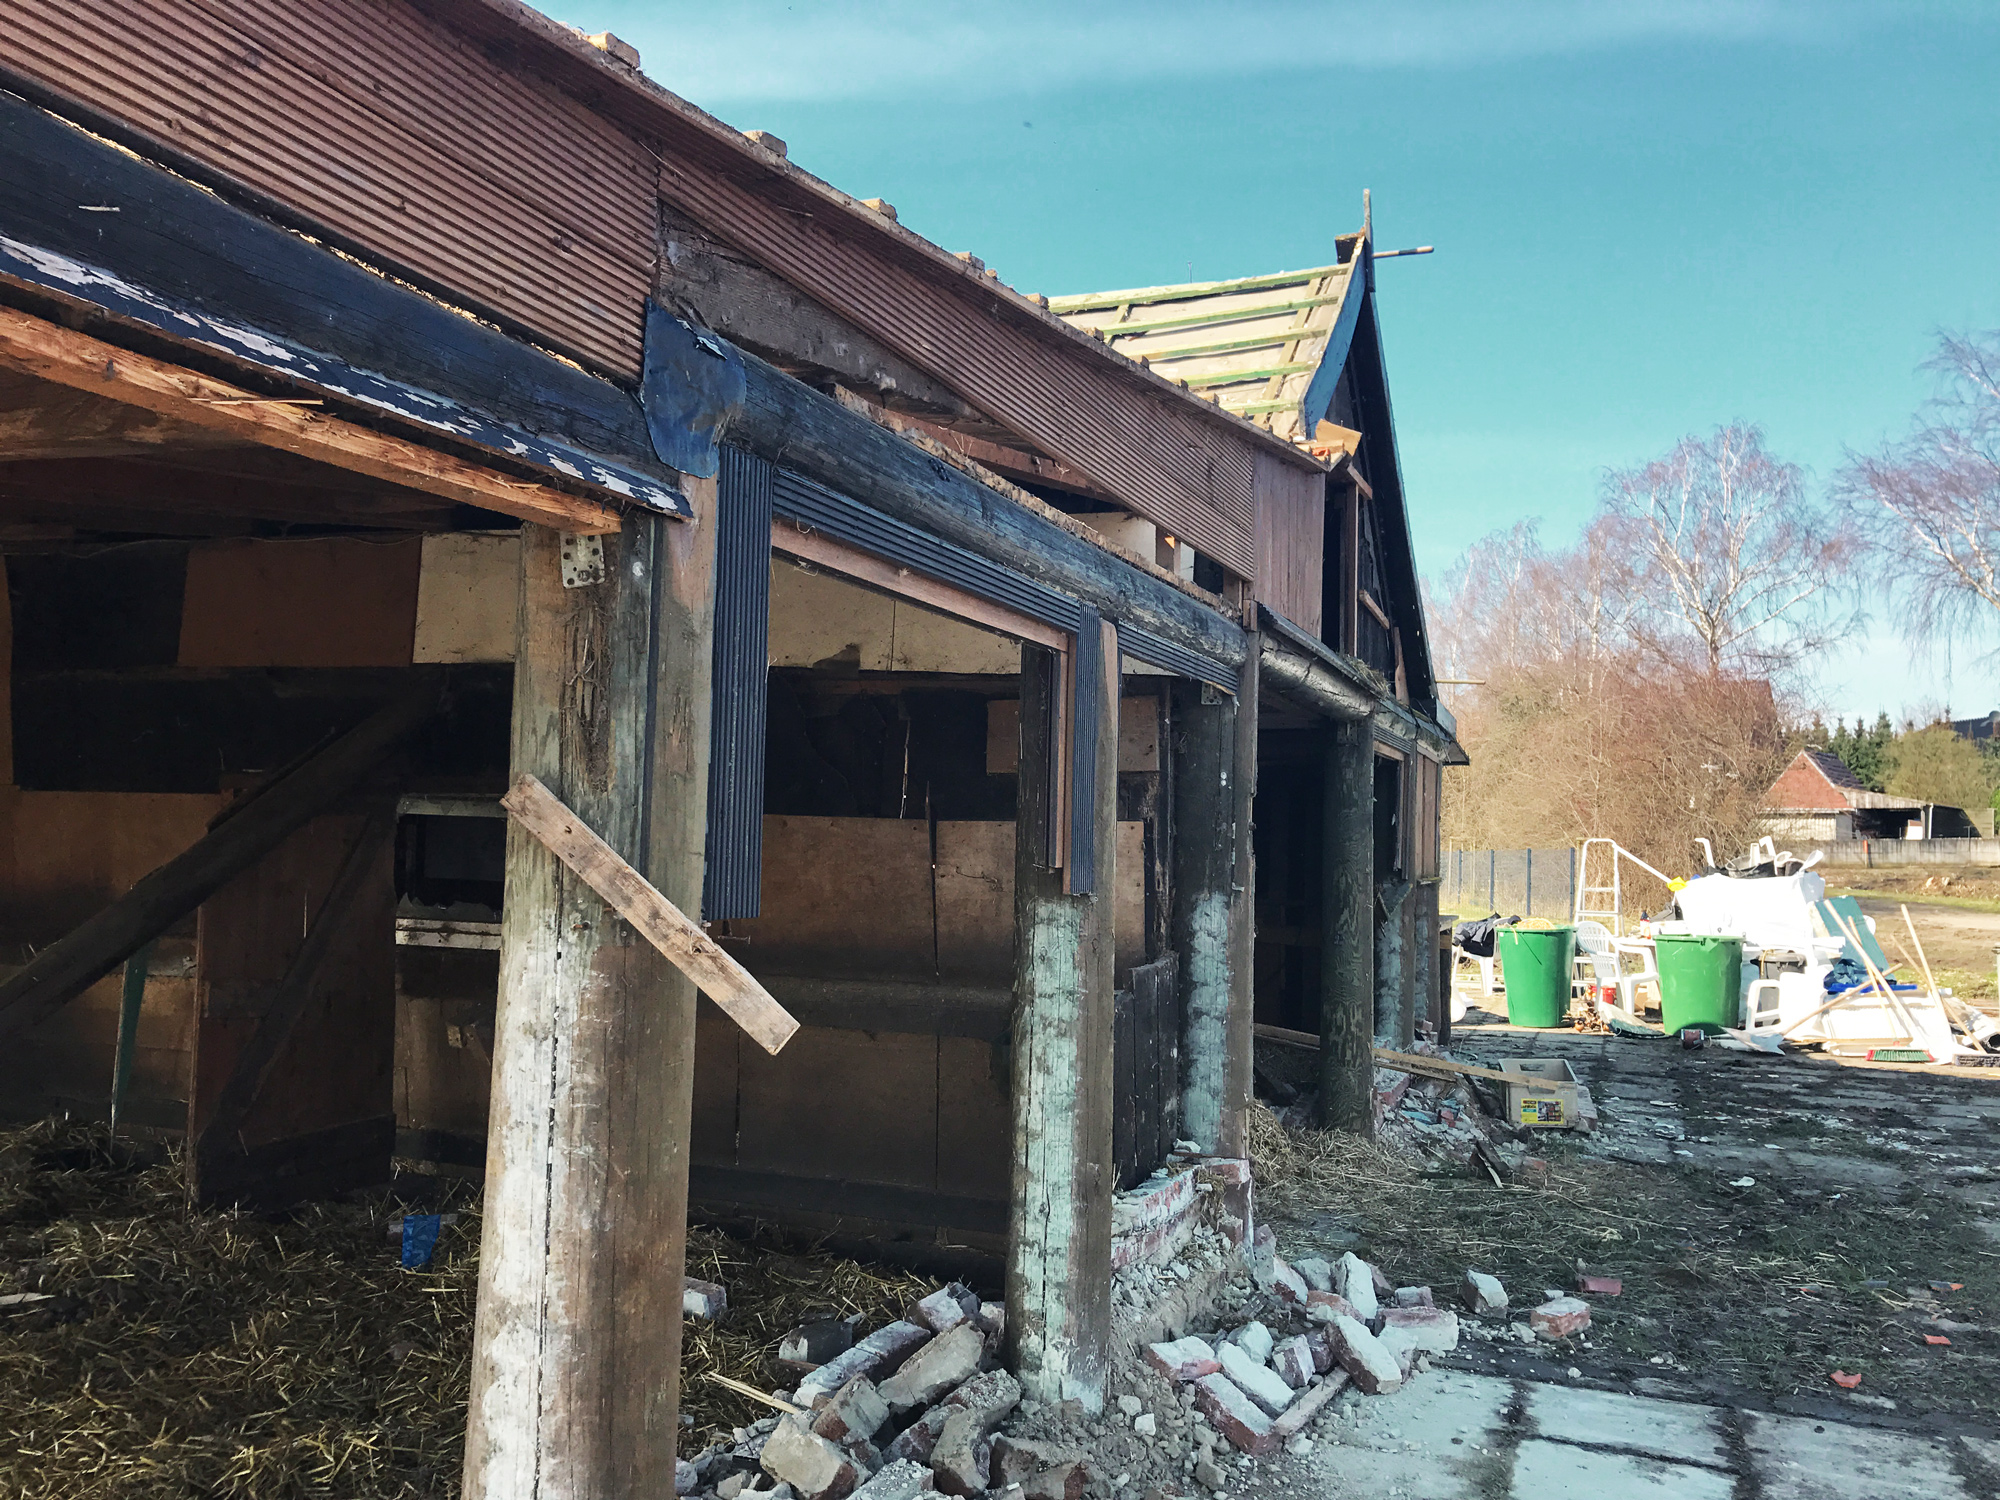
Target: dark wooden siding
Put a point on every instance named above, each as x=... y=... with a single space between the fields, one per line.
x=373 y=121
x=1291 y=525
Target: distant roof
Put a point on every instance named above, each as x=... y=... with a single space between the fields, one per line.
x=1986 y=727
x=1834 y=769
x=1258 y=344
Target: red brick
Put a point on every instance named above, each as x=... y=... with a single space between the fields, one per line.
x=1183 y=1359
x=1239 y=1419
x=1560 y=1318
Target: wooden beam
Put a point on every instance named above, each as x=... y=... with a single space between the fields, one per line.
x=1059 y=1245
x=1010 y=462
x=40 y=420
x=1235 y=1137
x=247 y=833
x=1204 y=753
x=794 y=540
x=36 y=347
x=663 y=924
x=576 y=1341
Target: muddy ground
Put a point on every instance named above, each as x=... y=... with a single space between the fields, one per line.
x=1772 y=1219
x=1958 y=921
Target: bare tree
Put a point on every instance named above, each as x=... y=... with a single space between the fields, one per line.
x=1730 y=550
x=1928 y=508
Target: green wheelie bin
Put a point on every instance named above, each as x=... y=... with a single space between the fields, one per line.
x=1535 y=964
x=1701 y=980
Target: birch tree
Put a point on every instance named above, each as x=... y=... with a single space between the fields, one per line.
x=1927 y=509
x=1731 y=550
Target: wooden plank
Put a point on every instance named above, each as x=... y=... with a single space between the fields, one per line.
x=1145 y=1081
x=61 y=355
x=973 y=1135
x=847 y=1105
x=247 y=834
x=1199 y=904
x=1242 y=788
x=311 y=602
x=844 y=897
x=1167 y=1079
x=678 y=937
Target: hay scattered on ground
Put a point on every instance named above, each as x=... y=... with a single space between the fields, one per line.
x=229 y=1354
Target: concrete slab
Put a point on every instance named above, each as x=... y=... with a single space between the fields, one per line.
x=1635 y=1424
x=1435 y=1439
x=1555 y=1471
x=1800 y=1459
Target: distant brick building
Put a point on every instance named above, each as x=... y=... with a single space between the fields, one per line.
x=1818 y=800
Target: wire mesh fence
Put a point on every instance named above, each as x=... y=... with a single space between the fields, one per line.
x=1512 y=882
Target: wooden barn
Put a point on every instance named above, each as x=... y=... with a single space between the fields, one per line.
x=400 y=401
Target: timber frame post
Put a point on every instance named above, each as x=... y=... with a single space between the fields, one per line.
x=1234 y=1137
x=1199 y=919
x=1347 y=930
x=1059 y=1240
x=576 y=1353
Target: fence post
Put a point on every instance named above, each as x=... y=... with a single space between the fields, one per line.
x=1572 y=882
x=1529 y=894
x=1492 y=873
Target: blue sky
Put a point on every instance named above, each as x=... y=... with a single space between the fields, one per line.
x=1650 y=219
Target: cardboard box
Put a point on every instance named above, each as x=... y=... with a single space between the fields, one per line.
x=1546 y=1097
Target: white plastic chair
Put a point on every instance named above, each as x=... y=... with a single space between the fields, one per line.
x=1603 y=957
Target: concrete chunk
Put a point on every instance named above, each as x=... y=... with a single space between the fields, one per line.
x=1017 y=1460
x=901 y=1480
x=1560 y=1317
x=961 y=1458
x=1354 y=1279
x=796 y=1455
x=1318 y=1274
x=1482 y=1293
x=1374 y=1368
x=1183 y=1359
x=1432 y=1329
x=854 y=1411
x=1259 y=1382
x=1254 y=1339
x=946 y=1360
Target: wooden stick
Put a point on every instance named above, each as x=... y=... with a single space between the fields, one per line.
x=1411 y=1062
x=1848 y=931
x=744 y=1388
x=658 y=920
x=1929 y=978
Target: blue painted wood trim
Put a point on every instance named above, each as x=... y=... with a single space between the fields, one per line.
x=1319 y=393
x=733 y=870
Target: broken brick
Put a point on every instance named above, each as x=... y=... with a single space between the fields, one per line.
x=1560 y=1318
x=1260 y=1383
x=1293 y=1362
x=1235 y=1415
x=915 y=1442
x=1254 y=1339
x=1318 y=1274
x=1414 y=1296
x=1599 y=1286
x=1063 y=1482
x=1434 y=1329
x=944 y=1309
x=817 y=1342
x=1183 y=1359
x=1016 y=1460
x=855 y=1410
x=1308 y=1406
x=1483 y=1293
x=1354 y=1279
x=1287 y=1284
x=703 y=1299
x=1357 y=1351
x=796 y=1455
x=877 y=1356
x=1320 y=1342
x=1326 y=1305
x=962 y=1455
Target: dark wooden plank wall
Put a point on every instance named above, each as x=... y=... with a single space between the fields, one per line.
x=378 y=124
x=1145 y=1065
x=1291 y=526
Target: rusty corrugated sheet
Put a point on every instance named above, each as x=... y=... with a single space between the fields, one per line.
x=1191 y=476
x=368 y=118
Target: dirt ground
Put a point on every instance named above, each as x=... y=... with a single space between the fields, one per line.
x=1959 y=923
x=1772 y=1219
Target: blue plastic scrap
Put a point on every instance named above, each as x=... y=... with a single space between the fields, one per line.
x=420 y=1237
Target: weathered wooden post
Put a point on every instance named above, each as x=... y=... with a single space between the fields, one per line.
x=576 y=1351
x=1059 y=1230
x=1204 y=868
x=1347 y=963
x=1234 y=1139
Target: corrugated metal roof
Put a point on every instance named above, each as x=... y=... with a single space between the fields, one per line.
x=1253 y=344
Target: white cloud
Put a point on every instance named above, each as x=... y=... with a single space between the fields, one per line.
x=763 y=50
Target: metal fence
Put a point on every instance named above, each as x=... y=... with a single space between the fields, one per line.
x=1512 y=882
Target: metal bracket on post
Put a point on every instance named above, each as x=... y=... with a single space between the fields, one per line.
x=582 y=560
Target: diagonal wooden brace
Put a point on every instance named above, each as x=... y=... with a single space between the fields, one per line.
x=658 y=920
